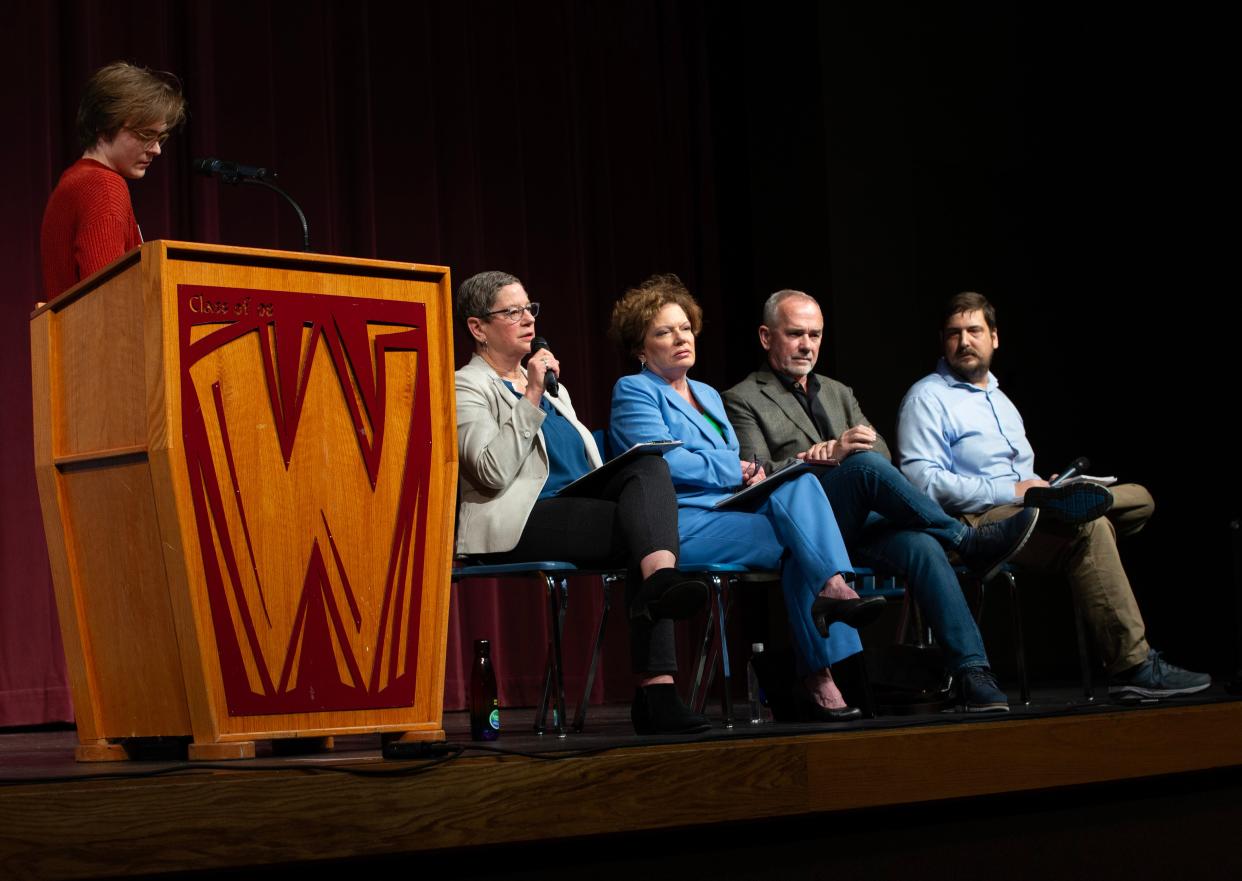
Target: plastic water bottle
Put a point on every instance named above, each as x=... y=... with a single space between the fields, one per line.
x=754 y=691
x=484 y=704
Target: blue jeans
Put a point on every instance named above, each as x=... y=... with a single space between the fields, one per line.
x=889 y=525
x=795 y=526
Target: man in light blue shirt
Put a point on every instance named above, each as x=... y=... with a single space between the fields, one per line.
x=962 y=441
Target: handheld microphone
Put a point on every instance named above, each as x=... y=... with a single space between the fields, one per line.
x=551 y=384
x=231 y=172
x=1078 y=466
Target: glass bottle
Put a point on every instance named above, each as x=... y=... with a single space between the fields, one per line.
x=484 y=704
x=754 y=691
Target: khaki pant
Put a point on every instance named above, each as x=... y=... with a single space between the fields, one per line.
x=1087 y=556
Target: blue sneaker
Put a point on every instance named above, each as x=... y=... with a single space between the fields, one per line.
x=978 y=692
x=1156 y=678
x=1075 y=503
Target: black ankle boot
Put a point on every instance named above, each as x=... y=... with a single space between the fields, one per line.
x=668 y=593
x=657 y=709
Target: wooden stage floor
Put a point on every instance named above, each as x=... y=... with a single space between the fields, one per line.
x=63 y=819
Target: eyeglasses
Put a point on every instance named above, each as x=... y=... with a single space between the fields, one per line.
x=514 y=313
x=148 y=137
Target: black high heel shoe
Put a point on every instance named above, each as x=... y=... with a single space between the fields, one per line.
x=855 y=612
x=657 y=709
x=807 y=709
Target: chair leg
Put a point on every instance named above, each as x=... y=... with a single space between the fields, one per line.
x=715 y=646
x=580 y=713
x=545 y=693
x=698 y=690
x=1084 y=656
x=545 y=697
x=720 y=587
x=549 y=677
x=554 y=679
x=1015 y=601
x=923 y=635
x=713 y=657
x=903 y=619
x=698 y=695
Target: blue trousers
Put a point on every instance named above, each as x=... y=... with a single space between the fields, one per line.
x=795 y=524
x=891 y=526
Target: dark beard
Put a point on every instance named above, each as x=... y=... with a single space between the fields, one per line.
x=975 y=375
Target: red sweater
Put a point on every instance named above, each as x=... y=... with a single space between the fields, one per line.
x=87 y=224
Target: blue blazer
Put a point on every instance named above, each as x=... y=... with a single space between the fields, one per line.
x=706 y=467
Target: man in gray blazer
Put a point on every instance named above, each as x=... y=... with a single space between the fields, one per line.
x=785 y=412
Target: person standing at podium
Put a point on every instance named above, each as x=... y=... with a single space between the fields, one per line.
x=126 y=115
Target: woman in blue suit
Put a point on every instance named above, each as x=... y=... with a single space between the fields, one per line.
x=657 y=322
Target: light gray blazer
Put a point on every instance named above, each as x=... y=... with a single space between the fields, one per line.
x=503 y=458
x=772 y=426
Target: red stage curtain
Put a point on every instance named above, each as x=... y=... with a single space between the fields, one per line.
x=566 y=142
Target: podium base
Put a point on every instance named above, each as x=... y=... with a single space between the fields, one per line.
x=221 y=752
x=100 y=751
x=298 y=746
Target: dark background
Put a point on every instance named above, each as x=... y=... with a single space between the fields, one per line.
x=1074 y=164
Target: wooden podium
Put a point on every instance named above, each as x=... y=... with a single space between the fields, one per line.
x=247 y=463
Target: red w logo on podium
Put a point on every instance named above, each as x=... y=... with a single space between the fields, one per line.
x=307 y=438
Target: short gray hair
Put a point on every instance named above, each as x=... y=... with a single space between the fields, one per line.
x=476 y=294
x=773 y=304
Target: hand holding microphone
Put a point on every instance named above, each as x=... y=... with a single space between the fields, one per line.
x=545 y=367
x=1078 y=466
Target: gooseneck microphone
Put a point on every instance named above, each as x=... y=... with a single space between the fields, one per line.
x=1078 y=466
x=231 y=172
x=551 y=384
x=236 y=173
